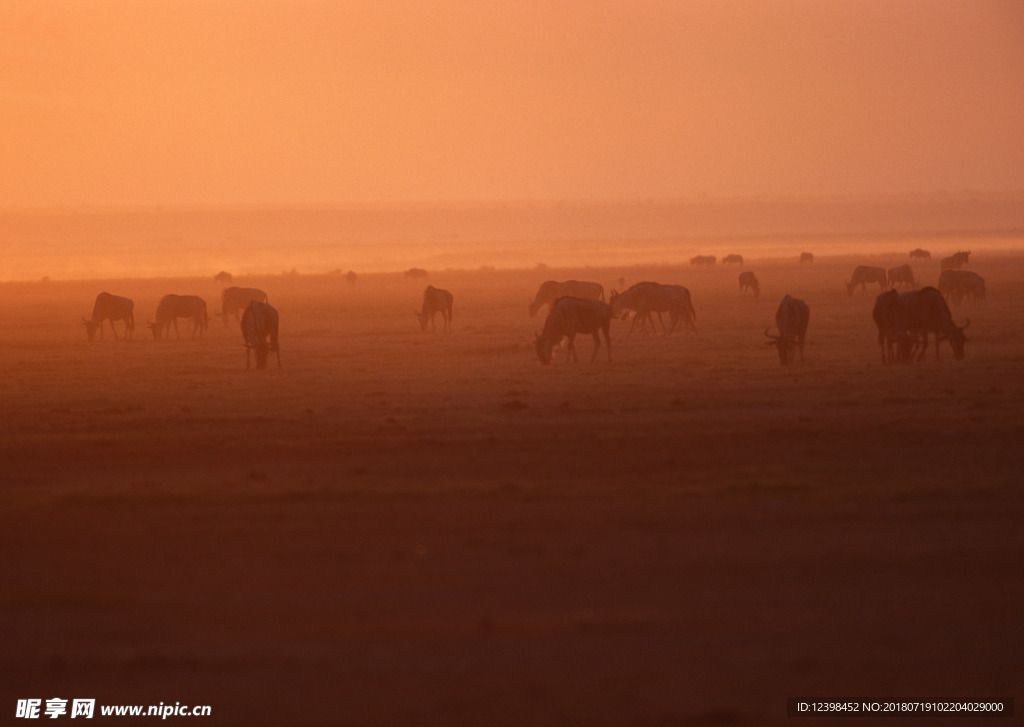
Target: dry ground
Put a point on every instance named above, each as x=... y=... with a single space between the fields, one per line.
x=400 y=528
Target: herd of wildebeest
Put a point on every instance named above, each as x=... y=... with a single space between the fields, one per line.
x=904 y=313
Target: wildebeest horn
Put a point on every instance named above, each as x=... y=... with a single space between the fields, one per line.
x=965 y=324
x=774 y=338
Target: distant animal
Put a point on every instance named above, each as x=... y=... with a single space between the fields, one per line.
x=864 y=274
x=748 y=281
x=806 y=257
x=111 y=308
x=703 y=260
x=414 y=273
x=350 y=277
x=259 y=331
x=922 y=254
x=955 y=261
x=647 y=297
x=904 y=321
x=955 y=285
x=234 y=301
x=791 y=318
x=732 y=259
x=435 y=300
x=902 y=276
x=552 y=290
x=569 y=316
x=172 y=307
x=222 y=277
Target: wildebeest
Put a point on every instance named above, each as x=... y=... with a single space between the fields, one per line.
x=749 y=281
x=234 y=300
x=551 y=290
x=955 y=285
x=435 y=300
x=902 y=276
x=955 y=261
x=864 y=274
x=807 y=257
x=172 y=307
x=351 y=277
x=732 y=259
x=222 y=277
x=646 y=298
x=111 y=308
x=259 y=331
x=703 y=260
x=904 y=321
x=791 y=318
x=922 y=254
x=569 y=316
x=415 y=273
x=893 y=331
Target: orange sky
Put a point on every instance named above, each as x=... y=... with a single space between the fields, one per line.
x=174 y=102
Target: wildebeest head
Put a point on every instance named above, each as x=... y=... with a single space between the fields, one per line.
x=785 y=345
x=423 y=318
x=157 y=328
x=90 y=327
x=957 y=339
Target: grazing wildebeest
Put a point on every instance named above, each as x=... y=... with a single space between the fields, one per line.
x=902 y=276
x=864 y=274
x=111 y=308
x=234 y=300
x=791 y=318
x=569 y=316
x=905 y=319
x=415 y=273
x=172 y=307
x=222 y=277
x=955 y=285
x=807 y=257
x=552 y=290
x=260 y=323
x=435 y=300
x=733 y=258
x=703 y=260
x=955 y=261
x=646 y=298
x=749 y=281
x=922 y=254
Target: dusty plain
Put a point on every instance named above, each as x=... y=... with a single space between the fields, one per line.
x=399 y=528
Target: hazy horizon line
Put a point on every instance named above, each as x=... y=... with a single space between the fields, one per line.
x=499 y=203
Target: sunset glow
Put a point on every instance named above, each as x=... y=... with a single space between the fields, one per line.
x=268 y=102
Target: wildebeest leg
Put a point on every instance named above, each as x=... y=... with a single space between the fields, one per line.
x=674 y=317
x=607 y=340
x=570 y=349
x=636 y=315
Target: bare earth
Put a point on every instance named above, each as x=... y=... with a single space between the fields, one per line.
x=400 y=528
